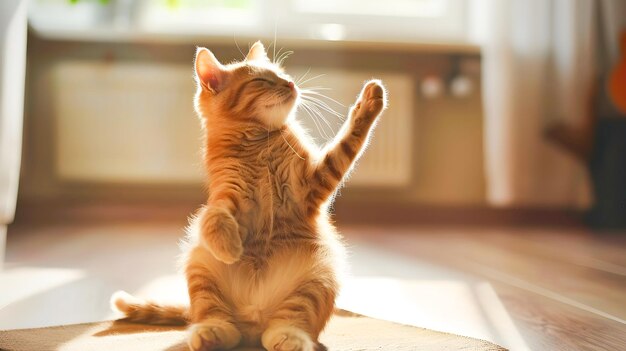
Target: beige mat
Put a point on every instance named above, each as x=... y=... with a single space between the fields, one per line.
x=345 y=332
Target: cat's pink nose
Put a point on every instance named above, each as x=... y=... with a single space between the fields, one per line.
x=291 y=85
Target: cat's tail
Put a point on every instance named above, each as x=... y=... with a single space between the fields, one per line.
x=141 y=311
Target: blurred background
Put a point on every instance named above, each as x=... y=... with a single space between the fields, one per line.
x=505 y=140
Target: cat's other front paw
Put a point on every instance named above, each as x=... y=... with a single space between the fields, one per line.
x=287 y=338
x=372 y=100
x=220 y=234
x=213 y=335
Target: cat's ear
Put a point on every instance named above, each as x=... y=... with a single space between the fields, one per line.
x=257 y=53
x=209 y=71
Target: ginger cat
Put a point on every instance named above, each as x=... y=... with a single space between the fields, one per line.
x=262 y=260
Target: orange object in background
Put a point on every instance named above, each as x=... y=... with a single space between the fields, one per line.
x=617 y=79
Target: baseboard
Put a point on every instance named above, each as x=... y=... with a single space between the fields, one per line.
x=102 y=211
x=344 y=212
x=420 y=214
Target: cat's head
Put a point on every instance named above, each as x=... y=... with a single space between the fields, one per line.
x=254 y=88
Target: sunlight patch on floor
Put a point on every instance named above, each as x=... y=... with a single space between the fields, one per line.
x=442 y=305
x=458 y=307
x=23 y=282
x=499 y=319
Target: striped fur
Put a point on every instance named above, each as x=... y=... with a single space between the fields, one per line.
x=140 y=311
x=262 y=260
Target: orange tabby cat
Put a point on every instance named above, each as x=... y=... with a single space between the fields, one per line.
x=262 y=260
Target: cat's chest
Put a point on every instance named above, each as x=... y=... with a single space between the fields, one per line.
x=274 y=186
x=272 y=190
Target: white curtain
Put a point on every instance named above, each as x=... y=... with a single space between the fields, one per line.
x=539 y=64
x=12 y=72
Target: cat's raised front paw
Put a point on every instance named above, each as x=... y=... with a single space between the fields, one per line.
x=372 y=100
x=220 y=234
x=213 y=335
x=287 y=338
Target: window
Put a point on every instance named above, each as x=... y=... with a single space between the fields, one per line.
x=359 y=20
x=403 y=20
x=217 y=17
x=397 y=8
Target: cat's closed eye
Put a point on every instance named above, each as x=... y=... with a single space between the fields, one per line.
x=264 y=80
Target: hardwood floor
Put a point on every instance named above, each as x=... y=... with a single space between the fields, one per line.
x=526 y=289
x=564 y=289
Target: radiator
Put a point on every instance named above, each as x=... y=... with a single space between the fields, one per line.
x=134 y=122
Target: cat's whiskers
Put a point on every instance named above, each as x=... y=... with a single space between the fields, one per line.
x=321 y=116
x=316 y=88
x=315 y=98
x=308 y=92
x=283 y=57
x=318 y=117
x=303 y=76
x=238 y=48
x=323 y=106
x=315 y=107
x=312 y=78
x=325 y=120
x=308 y=111
x=291 y=147
x=314 y=118
x=278 y=58
x=276 y=53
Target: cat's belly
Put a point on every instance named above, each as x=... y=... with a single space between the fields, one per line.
x=257 y=292
x=259 y=288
